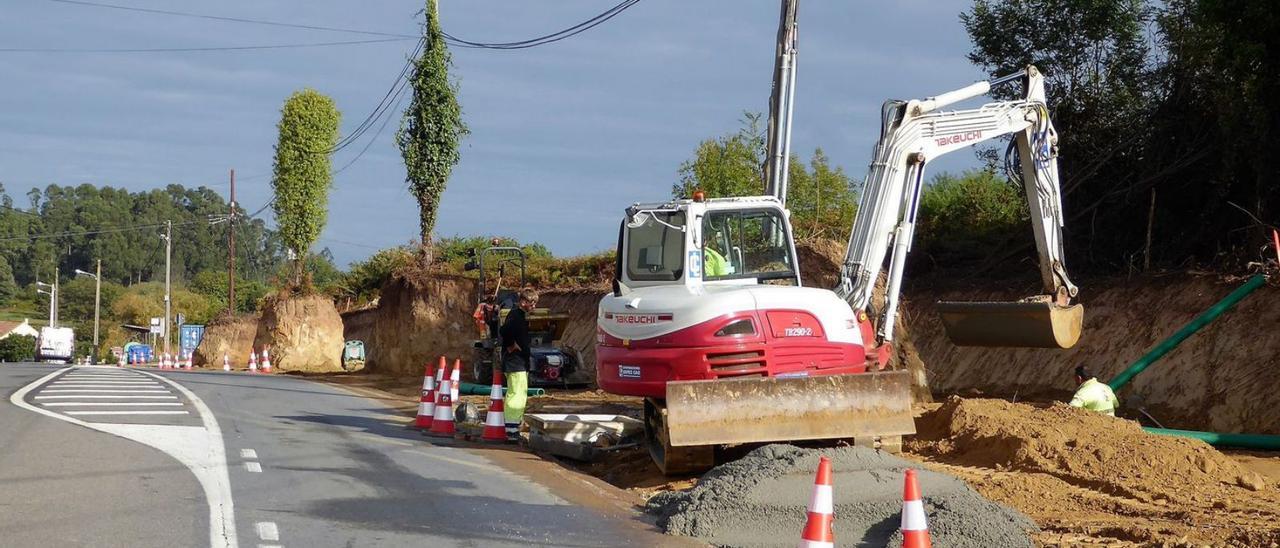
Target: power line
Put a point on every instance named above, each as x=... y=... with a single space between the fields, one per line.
x=232 y=19
x=389 y=115
x=93 y=232
x=548 y=38
x=201 y=49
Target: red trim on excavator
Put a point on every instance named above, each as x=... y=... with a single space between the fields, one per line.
x=791 y=343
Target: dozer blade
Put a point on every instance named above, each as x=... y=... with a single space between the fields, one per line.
x=1028 y=324
x=761 y=409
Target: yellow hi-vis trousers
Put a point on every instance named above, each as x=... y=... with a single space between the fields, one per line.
x=516 y=398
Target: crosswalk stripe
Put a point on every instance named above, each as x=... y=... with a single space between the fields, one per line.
x=108 y=404
x=92 y=396
x=78 y=413
x=105 y=391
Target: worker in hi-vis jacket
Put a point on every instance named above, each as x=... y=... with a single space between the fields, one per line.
x=1093 y=395
x=515 y=360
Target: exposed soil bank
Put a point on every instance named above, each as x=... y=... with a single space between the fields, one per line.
x=1077 y=472
x=416 y=322
x=1222 y=378
x=760 y=500
x=304 y=333
x=226 y=336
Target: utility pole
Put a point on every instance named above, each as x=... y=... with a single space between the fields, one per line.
x=782 y=104
x=168 y=253
x=97 y=302
x=231 y=249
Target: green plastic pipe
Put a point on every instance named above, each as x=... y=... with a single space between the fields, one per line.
x=472 y=389
x=1205 y=318
x=1246 y=441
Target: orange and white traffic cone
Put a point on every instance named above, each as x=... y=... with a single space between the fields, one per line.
x=164 y=361
x=253 y=361
x=442 y=423
x=495 y=428
x=427 y=403
x=191 y=364
x=817 y=528
x=455 y=380
x=266 y=360
x=226 y=362
x=915 y=529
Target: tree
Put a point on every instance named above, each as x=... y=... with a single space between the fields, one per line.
x=17 y=348
x=308 y=132
x=432 y=126
x=822 y=199
x=1094 y=55
x=8 y=287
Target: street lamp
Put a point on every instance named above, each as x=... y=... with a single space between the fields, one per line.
x=52 y=292
x=97 y=300
x=168 y=252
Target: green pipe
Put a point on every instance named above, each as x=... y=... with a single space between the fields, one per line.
x=1246 y=441
x=472 y=389
x=1205 y=318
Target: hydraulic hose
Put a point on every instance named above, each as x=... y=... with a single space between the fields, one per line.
x=1205 y=318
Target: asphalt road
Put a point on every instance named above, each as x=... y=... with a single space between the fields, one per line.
x=300 y=463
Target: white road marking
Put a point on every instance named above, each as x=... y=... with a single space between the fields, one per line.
x=199 y=448
x=102 y=391
x=267 y=530
x=104 y=385
x=109 y=403
x=90 y=396
x=252 y=466
x=270 y=546
x=77 y=413
x=248 y=454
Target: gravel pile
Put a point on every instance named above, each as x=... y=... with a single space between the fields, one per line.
x=759 y=501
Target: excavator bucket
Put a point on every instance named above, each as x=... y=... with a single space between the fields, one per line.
x=761 y=409
x=1028 y=324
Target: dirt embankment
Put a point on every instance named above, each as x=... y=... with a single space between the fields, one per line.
x=416 y=322
x=304 y=334
x=1220 y=379
x=231 y=337
x=1093 y=480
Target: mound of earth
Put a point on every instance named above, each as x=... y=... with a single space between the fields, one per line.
x=760 y=500
x=1094 y=480
x=1078 y=446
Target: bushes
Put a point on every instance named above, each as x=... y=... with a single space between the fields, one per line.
x=17 y=348
x=962 y=219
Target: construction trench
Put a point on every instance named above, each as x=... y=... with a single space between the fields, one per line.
x=1003 y=461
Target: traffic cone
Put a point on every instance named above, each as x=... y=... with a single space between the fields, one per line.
x=817 y=528
x=915 y=529
x=226 y=363
x=427 y=403
x=442 y=422
x=191 y=364
x=253 y=361
x=164 y=361
x=495 y=428
x=266 y=360
x=455 y=380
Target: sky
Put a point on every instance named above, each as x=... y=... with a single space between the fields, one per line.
x=563 y=136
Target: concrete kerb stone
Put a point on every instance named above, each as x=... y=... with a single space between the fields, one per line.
x=759 y=501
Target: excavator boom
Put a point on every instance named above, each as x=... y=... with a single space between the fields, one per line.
x=914 y=133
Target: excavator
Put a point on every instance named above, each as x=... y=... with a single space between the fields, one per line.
x=710 y=322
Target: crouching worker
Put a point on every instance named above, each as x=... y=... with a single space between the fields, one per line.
x=515 y=361
x=1094 y=395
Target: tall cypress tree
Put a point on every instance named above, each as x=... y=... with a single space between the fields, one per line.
x=432 y=126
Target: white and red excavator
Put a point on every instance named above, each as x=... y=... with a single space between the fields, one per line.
x=710 y=322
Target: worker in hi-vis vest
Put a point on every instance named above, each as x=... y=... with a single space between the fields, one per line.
x=1094 y=395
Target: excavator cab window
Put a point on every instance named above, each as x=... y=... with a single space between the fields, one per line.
x=744 y=240
x=655 y=246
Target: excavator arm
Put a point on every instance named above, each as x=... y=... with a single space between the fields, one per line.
x=916 y=132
